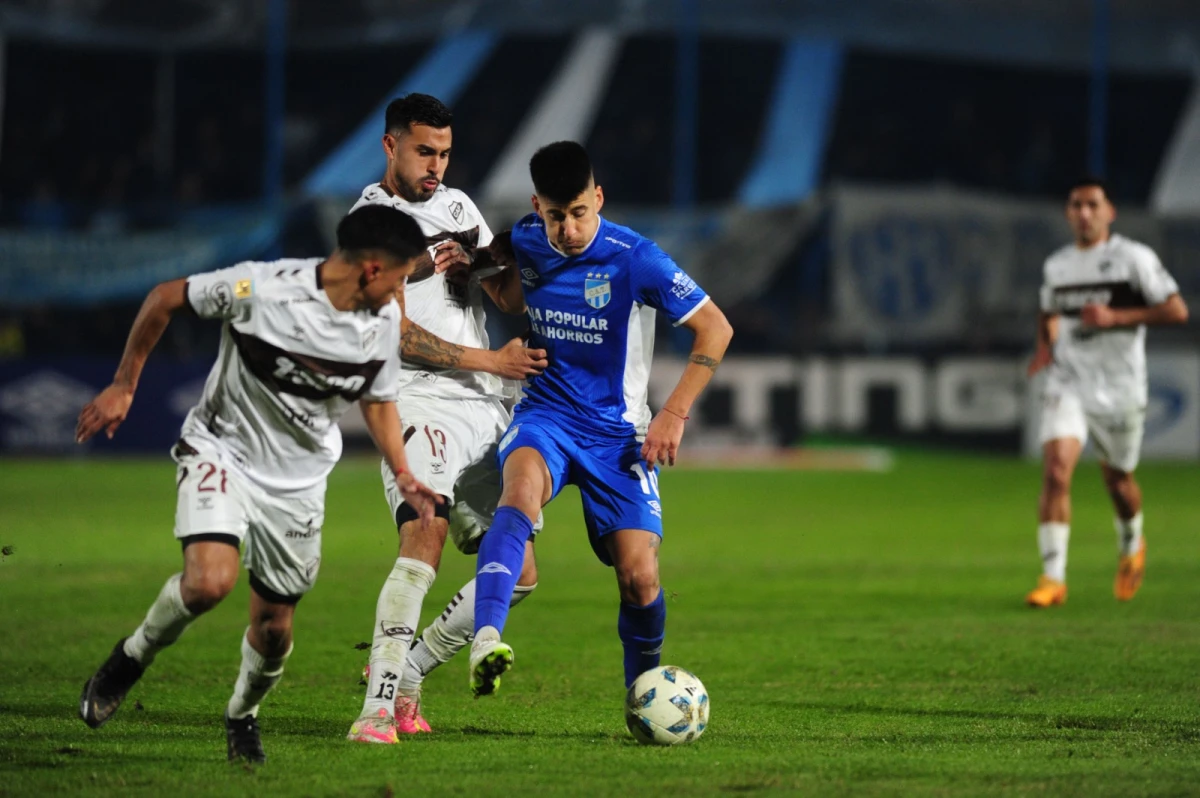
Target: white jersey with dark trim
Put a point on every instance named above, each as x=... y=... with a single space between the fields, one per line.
x=289 y=366
x=1107 y=368
x=451 y=309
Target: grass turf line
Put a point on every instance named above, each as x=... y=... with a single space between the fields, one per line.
x=859 y=633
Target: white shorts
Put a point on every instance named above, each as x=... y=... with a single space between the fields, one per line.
x=1117 y=435
x=280 y=537
x=451 y=447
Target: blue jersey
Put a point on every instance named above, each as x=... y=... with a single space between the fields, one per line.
x=594 y=315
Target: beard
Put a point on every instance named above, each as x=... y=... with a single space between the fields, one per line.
x=414 y=191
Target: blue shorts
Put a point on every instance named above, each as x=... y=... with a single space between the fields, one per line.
x=618 y=490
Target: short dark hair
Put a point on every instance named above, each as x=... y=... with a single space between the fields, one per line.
x=416 y=109
x=1090 y=181
x=380 y=228
x=560 y=171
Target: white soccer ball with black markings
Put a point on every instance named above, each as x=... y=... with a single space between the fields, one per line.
x=666 y=706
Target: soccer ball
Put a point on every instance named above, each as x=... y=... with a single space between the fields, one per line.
x=666 y=706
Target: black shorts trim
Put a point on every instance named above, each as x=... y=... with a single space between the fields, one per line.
x=404 y=513
x=211 y=537
x=270 y=595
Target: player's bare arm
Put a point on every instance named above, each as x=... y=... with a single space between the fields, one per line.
x=512 y=361
x=1047 y=333
x=713 y=333
x=383 y=423
x=504 y=287
x=110 y=407
x=1173 y=311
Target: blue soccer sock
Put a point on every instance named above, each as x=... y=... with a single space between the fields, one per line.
x=501 y=555
x=642 y=630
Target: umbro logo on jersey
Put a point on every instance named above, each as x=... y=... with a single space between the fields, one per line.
x=1105 y=265
x=495 y=568
x=456 y=210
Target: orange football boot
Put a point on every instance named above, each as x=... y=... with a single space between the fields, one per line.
x=1047 y=593
x=1130 y=569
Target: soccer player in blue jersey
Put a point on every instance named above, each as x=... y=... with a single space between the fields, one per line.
x=592 y=289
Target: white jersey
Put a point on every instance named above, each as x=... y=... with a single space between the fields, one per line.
x=451 y=310
x=1107 y=368
x=289 y=366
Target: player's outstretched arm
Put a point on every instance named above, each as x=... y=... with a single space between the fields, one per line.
x=713 y=333
x=512 y=361
x=1047 y=332
x=383 y=423
x=111 y=406
x=1173 y=311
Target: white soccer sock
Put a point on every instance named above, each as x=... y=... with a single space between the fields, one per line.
x=1129 y=535
x=1052 y=542
x=447 y=635
x=256 y=678
x=396 y=615
x=164 y=623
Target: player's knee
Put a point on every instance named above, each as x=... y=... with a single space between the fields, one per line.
x=422 y=540
x=638 y=583
x=274 y=634
x=1057 y=476
x=523 y=491
x=204 y=590
x=1119 y=483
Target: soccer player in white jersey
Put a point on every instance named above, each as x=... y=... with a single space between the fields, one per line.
x=1098 y=295
x=455 y=413
x=301 y=340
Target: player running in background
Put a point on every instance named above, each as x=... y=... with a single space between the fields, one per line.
x=592 y=289
x=454 y=414
x=1097 y=297
x=302 y=339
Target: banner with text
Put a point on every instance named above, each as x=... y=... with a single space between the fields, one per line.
x=981 y=402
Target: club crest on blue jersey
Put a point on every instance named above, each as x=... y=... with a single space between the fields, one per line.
x=597 y=290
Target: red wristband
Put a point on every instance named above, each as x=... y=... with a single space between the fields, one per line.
x=672 y=412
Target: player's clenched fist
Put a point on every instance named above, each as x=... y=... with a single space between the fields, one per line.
x=501 y=250
x=105 y=412
x=449 y=254
x=515 y=361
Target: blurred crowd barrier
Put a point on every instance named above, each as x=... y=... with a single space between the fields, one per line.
x=913 y=266
x=890 y=314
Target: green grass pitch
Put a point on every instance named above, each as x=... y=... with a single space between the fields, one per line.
x=859 y=633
